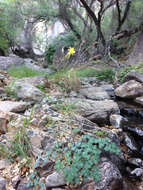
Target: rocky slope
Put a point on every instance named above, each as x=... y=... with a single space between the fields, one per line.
x=45 y=117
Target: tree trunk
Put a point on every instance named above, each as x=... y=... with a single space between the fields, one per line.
x=97 y=22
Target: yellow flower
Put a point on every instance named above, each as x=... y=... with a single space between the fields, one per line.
x=71 y=51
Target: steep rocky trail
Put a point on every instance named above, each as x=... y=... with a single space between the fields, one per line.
x=51 y=115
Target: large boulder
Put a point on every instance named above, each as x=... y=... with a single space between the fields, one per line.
x=7 y=62
x=94 y=93
x=27 y=92
x=130 y=89
x=97 y=111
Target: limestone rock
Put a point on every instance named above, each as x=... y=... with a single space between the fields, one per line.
x=24 y=187
x=97 y=111
x=35 y=81
x=136 y=162
x=111 y=178
x=55 y=180
x=117 y=121
x=94 y=93
x=5 y=117
x=130 y=142
x=139 y=100
x=36 y=141
x=27 y=92
x=3 y=164
x=133 y=75
x=138 y=172
x=3 y=183
x=10 y=106
x=7 y=62
x=130 y=89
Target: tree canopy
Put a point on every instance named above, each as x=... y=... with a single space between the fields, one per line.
x=91 y=21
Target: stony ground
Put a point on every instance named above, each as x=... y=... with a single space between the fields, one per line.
x=48 y=115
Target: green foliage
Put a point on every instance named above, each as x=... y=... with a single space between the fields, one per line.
x=23 y=71
x=65 y=107
x=34 y=180
x=67 y=79
x=102 y=74
x=11 y=20
x=117 y=48
x=135 y=15
x=100 y=133
x=9 y=90
x=127 y=69
x=66 y=40
x=123 y=72
x=49 y=53
x=79 y=161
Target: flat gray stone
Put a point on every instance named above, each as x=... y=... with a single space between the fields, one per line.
x=7 y=62
x=27 y=92
x=35 y=81
x=10 y=106
x=55 y=180
x=94 y=93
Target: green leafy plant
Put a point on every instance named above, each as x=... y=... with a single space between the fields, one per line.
x=79 y=160
x=100 y=133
